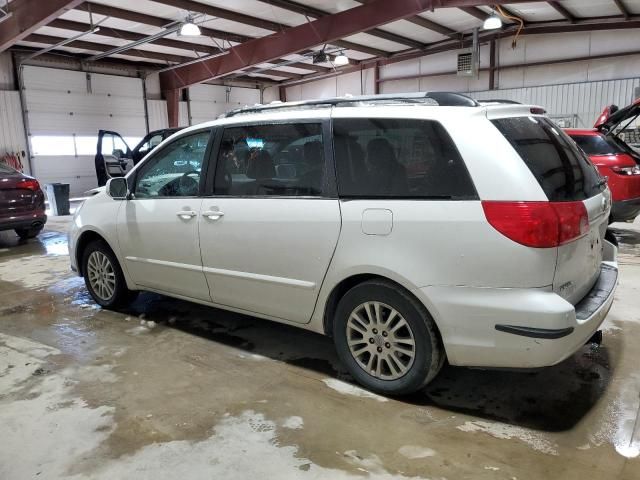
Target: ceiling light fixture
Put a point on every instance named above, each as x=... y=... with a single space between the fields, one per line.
x=190 y=29
x=341 y=60
x=493 y=22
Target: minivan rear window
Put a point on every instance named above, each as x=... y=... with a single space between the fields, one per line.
x=597 y=144
x=563 y=171
x=398 y=158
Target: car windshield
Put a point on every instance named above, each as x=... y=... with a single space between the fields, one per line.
x=597 y=144
x=6 y=169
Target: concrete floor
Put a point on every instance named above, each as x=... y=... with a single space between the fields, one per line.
x=179 y=391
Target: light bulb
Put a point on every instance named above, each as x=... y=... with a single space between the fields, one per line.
x=190 y=29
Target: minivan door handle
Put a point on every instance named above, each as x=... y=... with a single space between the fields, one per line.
x=186 y=214
x=213 y=214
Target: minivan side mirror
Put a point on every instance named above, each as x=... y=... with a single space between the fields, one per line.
x=118 y=153
x=118 y=188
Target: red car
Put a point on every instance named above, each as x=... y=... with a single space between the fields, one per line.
x=614 y=158
x=21 y=203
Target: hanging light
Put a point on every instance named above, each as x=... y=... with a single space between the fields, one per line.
x=341 y=60
x=189 y=29
x=493 y=22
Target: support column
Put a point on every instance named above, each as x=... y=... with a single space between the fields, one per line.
x=173 y=106
x=492 y=65
x=376 y=78
x=282 y=92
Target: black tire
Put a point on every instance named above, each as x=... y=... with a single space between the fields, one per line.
x=121 y=296
x=429 y=353
x=26 y=233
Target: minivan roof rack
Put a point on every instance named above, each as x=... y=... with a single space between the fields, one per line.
x=443 y=99
x=497 y=100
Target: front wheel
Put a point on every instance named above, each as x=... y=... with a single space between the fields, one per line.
x=104 y=278
x=386 y=338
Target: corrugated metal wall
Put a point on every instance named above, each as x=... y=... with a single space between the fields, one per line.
x=584 y=100
x=12 y=137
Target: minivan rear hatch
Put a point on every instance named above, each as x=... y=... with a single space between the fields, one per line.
x=568 y=178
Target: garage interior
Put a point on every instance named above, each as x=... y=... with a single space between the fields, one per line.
x=171 y=389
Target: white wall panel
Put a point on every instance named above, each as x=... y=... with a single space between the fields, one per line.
x=12 y=137
x=54 y=80
x=157 y=110
x=244 y=96
x=66 y=103
x=183 y=114
x=116 y=86
x=270 y=94
x=79 y=172
x=324 y=88
x=152 y=84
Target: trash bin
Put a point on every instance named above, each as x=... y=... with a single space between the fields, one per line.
x=58 y=196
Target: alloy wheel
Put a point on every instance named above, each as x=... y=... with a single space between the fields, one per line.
x=101 y=275
x=380 y=340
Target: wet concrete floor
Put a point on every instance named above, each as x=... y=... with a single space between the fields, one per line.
x=172 y=390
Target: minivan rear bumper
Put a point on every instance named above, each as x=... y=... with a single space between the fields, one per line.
x=519 y=328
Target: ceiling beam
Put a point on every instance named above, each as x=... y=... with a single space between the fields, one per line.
x=622 y=8
x=29 y=15
x=132 y=36
x=192 y=6
x=563 y=11
x=425 y=23
x=294 y=39
x=155 y=21
x=160 y=22
x=101 y=47
x=311 y=12
x=475 y=12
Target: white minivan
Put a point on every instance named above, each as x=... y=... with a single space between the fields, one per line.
x=410 y=228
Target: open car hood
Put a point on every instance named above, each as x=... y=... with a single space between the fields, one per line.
x=608 y=121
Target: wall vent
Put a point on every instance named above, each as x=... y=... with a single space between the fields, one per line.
x=467 y=64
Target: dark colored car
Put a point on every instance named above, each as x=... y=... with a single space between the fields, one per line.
x=614 y=158
x=21 y=203
x=114 y=158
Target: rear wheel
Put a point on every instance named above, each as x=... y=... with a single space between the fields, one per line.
x=386 y=338
x=26 y=233
x=104 y=278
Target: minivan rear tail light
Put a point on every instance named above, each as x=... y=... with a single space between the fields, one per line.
x=538 y=224
x=29 y=184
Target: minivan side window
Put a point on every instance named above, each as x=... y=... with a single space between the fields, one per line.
x=560 y=167
x=271 y=160
x=175 y=170
x=398 y=158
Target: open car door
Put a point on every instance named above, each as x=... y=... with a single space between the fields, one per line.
x=623 y=125
x=113 y=156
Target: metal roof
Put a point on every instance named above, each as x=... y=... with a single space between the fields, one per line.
x=226 y=24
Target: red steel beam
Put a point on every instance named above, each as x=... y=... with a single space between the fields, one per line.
x=294 y=39
x=29 y=15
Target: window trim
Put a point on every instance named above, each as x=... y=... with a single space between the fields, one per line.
x=474 y=197
x=330 y=186
x=206 y=160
